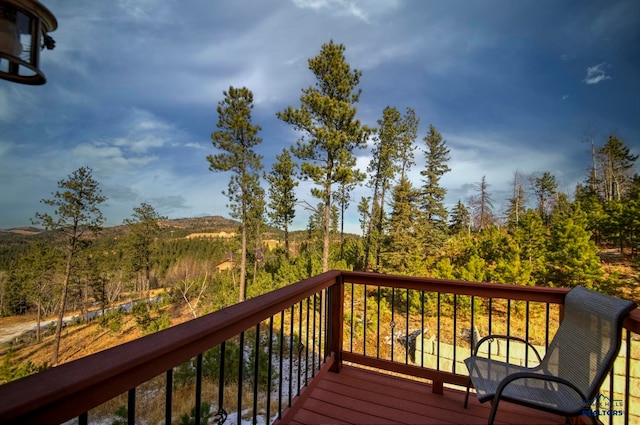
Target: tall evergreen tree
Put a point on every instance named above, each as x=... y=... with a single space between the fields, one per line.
x=517 y=202
x=282 y=197
x=616 y=163
x=76 y=216
x=36 y=270
x=571 y=254
x=531 y=236
x=236 y=138
x=342 y=197
x=363 y=210
x=405 y=152
x=326 y=116
x=482 y=206
x=144 y=228
x=432 y=194
x=403 y=248
x=394 y=132
x=545 y=187
x=460 y=219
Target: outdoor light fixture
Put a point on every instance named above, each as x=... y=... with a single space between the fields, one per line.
x=24 y=25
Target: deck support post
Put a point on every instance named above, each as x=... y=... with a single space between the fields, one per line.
x=336 y=317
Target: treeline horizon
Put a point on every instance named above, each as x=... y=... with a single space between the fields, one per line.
x=405 y=226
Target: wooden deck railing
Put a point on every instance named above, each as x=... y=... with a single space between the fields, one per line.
x=315 y=315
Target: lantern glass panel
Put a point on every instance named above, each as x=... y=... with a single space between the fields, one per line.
x=24 y=23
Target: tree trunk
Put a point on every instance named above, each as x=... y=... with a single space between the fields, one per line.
x=243 y=262
x=327 y=221
x=342 y=232
x=286 y=241
x=367 y=247
x=38 y=320
x=380 y=226
x=63 y=304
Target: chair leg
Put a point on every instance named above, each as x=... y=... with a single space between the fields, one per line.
x=494 y=410
x=466 y=398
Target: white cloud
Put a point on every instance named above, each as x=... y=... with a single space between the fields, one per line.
x=596 y=74
x=194 y=146
x=366 y=11
x=140 y=145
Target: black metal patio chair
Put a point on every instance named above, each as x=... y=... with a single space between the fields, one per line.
x=577 y=361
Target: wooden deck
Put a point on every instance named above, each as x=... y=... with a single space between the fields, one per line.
x=359 y=396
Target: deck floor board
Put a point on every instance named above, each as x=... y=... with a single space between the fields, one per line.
x=359 y=396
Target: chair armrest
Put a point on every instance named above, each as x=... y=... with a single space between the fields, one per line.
x=490 y=338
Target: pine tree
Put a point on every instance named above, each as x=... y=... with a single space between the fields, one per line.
x=531 y=236
x=76 y=216
x=236 y=138
x=282 y=197
x=517 y=202
x=571 y=254
x=545 y=187
x=460 y=219
x=403 y=248
x=326 y=116
x=432 y=194
x=616 y=164
x=363 y=210
x=144 y=227
x=36 y=270
x=393 y=141
x=342 y=197
x=482 y=206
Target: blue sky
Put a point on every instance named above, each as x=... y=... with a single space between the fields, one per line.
x=133 y=85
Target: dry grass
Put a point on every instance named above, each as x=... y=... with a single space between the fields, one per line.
x=81 y=340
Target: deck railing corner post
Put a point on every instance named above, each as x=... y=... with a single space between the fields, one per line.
x=336 y=315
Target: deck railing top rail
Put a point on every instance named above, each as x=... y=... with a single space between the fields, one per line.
x=78 y=386
x=82 y=384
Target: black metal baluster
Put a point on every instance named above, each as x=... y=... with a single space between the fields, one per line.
x=526 y=335
x=378 y=325
x=406 y=351
x=306 y=356
x=291 y=317
x=611 y=406
x=168 y=397
x=198 y=388
x=353 y=313
x=364 y=323
x=221 y=412
x=281 y=364
x=83 y=419
x=269 y=370
x=393 y=321
x=508 y=326
x=471 y=341
x=490 y=331
x=299 y=348
x=256 y=371
x=455 y=326
x=422 y=328
x=321 y=347
x=627 y=383
x=546 y=326
x=131 y=407
x=438 y=333
x=240 y=375
x=313 y=340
